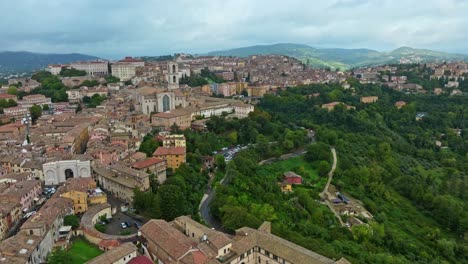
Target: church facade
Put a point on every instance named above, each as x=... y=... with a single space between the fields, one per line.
x=154 y=100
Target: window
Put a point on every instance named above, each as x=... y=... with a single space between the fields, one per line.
x=259 y=260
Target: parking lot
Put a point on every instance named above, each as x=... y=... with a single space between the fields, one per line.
x=114 y=227
x=230 y=153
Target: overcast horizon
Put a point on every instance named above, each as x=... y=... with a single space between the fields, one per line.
x=114 y=29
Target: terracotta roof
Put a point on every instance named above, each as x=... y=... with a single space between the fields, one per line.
x=167 y=238
x=162 y=151
x=146 y=163
x=140 y=260
x=115 y=254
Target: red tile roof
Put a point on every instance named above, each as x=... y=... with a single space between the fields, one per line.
x=162 y=151
x=146 y=163
x=140 y=260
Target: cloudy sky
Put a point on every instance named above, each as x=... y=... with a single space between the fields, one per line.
x=115 y=28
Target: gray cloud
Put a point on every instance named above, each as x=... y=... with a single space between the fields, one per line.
x=114 y=28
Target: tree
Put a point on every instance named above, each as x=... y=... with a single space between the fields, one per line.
x=149 y=145
x=323 y=168
x=12 y=90
x=45 y=107
x=172 y=201
x=71 y=220
x=36 y=112
x=220 y=162
x=59 y=256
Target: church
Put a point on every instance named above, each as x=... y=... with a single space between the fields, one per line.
x=154 y=100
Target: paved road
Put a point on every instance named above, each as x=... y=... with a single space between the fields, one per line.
x=204 y=208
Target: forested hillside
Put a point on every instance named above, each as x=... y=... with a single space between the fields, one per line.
x=411 y=175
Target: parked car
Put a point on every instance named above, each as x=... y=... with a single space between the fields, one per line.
x=123 y=225
x=128 y=224
x=137 y=225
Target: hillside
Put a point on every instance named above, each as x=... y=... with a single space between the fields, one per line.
x=341 y=58
x=22 y=61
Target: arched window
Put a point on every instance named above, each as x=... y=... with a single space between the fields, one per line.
x=174 y=80
x=173 y=68
x=166 y=103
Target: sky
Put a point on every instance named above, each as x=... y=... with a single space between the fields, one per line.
x=115 y=28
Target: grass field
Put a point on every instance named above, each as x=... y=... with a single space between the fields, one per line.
x=82 y=251
x=298 y=165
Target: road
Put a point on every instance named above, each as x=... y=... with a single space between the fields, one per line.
x=204 y=208
x=330 y=174
x=325 y=194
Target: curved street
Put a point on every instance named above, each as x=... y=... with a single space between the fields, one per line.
x=204 y=208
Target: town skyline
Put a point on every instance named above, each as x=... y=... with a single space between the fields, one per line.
x=120 y=29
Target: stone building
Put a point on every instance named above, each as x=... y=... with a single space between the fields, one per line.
x=59 y=171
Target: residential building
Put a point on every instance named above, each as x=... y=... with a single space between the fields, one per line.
x=46 y=224
x=174 y=156
x=331 y=106
x=292 y=178
x=400 y=104
x=10 y=214
x=83 y=192
x=118 y=255
x=173 y=141
x=152 y=165
x=22 y=249
x=34 y=99
x=23 y=192
x=182 y=118
x=121 y=181
x=185 y=241
x=16 y=112
x=242 y=110
x=369 y=99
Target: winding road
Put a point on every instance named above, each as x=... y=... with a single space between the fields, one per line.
x=325 y=194
x=204 y=207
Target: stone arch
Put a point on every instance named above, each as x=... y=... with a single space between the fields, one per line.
x=84 y=172
x=69 y=174
x=173 y=68
x=174 y=80
x=166 y=103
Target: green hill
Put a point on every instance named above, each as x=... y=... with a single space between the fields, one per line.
x=341 y=58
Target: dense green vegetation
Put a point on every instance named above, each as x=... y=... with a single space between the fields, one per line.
x=71 y=220
x=386 y=159
x=149 y=145
x=51 y=86
x=205 y=77
x=80 y=252
x=71 y=72
x=7 y=103
x=93 y=101
x=88 y=83
x=112 y=79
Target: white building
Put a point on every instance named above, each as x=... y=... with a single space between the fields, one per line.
x=126 y=69
x=156 y=100
x=93 y=68
x=59 y=171
x=55 y=69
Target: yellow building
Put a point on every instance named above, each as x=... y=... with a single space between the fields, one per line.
x=369 y=99
x=174 y=156
x=82 y=191
x=173 y=141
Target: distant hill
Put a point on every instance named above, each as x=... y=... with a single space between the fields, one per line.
x=22 y=61
x=341 y=58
